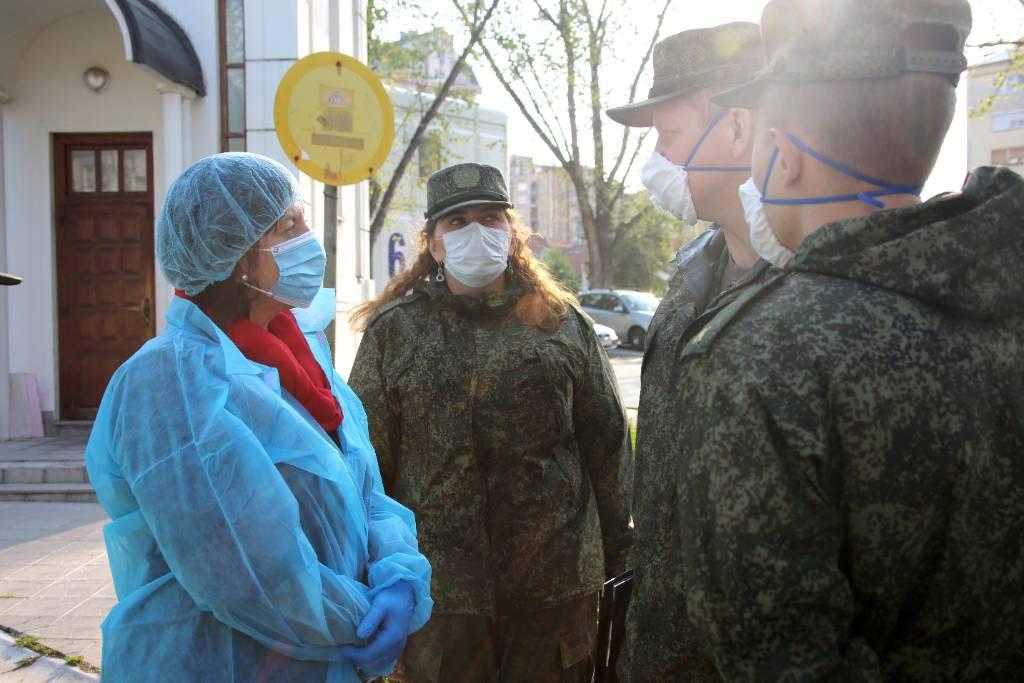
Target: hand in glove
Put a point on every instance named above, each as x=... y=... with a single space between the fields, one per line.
x=386 y=626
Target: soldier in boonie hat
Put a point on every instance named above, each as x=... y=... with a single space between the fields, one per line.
x=695 y=59
x=701 y=158
x=463 y=185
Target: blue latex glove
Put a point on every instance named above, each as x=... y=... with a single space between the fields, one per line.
x=386 y=626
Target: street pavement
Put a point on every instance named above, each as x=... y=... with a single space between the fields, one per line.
x=54 y=579
x=626 y=364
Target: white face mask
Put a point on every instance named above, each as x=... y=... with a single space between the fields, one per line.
x=669 y=188
x=762 y=237
x=476 y=256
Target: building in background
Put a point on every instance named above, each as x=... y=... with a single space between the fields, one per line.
x=462 y=131
x=546 y=200
x=102 y=104
x=997 y=136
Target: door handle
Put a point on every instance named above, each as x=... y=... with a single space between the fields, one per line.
x=146 y=312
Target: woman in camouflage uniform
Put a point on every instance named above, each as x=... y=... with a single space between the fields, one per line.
x=496 y=419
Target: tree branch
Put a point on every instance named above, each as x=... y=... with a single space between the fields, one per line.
x=548 y=141
x=629 y=166
x=377 y=224
x=620 y=232
x=636 y=82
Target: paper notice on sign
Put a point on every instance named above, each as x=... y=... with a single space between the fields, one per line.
x=333 y=118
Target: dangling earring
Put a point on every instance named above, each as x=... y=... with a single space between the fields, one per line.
x=439 y=277
x=510 y=268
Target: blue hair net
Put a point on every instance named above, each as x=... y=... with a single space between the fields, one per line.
x=215 y=211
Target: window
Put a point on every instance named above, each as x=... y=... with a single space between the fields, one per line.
x=610 y=302
x=644 y=303
x=1008 y=156
x=588 y=301
x=109 y=170
x=1007 y=120
x=232 y=75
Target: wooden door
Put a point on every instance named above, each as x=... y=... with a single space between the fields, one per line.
x=105 y=267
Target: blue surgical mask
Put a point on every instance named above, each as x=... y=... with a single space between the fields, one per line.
x=301 y=262
x=870 y=197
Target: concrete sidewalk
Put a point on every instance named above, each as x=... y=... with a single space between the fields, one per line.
x=54 y=579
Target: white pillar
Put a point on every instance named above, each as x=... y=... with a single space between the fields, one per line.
x=176 y=150
x=176 y=128
x=5 y=370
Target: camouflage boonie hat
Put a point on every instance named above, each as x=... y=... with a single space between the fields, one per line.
x=691 y=60
x=464 y=185
x=8 y=279
x=841 y=40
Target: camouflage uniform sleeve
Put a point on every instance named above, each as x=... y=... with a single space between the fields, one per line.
x=602 y=432
x=367 y=380
x=761 y=531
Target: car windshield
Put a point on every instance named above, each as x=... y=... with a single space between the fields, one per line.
x=645 y=303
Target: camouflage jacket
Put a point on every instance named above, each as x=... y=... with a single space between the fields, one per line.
x=656 y=646
x=510 y=445
x=849 y=476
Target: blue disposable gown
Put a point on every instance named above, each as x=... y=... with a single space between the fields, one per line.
x=243 y=545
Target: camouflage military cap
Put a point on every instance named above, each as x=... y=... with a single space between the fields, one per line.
x=688 y=61
x=464 y=185
x=839 y=40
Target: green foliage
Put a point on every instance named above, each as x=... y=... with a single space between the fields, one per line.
x=73 y=661
x=27 y=661
x=561 y=269
x=33 y=643
x=642 y=253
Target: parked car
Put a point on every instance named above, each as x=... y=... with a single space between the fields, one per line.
x=628 y=313
x=606 y=336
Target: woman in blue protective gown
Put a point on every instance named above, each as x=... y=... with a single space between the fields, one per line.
x=251 y=539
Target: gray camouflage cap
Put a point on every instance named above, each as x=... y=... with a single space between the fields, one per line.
x=840 y=40
x=464 y=185
x=691 y=60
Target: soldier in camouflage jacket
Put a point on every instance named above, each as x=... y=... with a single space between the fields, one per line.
x=712 y=146
x=510 y=444
x=848 y=478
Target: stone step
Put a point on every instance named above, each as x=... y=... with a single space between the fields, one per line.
x=48 y=493
x=43 y=472
x=73 y=427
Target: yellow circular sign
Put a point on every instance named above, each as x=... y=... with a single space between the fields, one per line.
x=333 y=118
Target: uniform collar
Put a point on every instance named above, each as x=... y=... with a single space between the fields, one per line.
x=492 y=303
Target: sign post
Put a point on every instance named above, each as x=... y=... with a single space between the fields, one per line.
x=335 y=122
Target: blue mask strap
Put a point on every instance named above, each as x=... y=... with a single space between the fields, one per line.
x=869 y=197
x=711 y=169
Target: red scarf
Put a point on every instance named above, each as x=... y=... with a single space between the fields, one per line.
x=283 y=346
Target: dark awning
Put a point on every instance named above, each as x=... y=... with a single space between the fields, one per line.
x=156 y=40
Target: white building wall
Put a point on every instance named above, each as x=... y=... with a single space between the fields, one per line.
x=474 y=134
x=50 y=97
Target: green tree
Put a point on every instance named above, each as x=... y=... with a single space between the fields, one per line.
x=561 y=269
x=644 y=251
x=552 y=58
